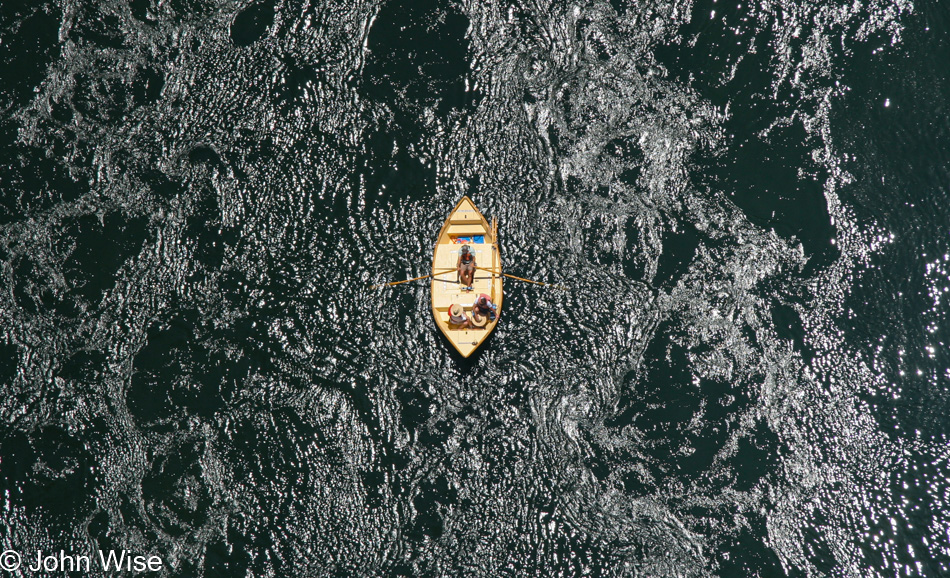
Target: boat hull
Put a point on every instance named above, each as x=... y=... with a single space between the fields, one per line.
x=465 y=225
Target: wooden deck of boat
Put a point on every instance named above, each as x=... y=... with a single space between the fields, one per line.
x=465 y=221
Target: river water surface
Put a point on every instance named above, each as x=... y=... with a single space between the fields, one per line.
x=746 y=375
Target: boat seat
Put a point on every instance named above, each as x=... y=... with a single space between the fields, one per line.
x=465 y=230
x=465 y=216
x=447 y=260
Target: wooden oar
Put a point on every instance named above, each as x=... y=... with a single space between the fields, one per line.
x=390 y=284
x=521 y=278
x=459 y=282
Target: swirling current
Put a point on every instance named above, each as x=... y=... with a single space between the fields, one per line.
x=746 y=202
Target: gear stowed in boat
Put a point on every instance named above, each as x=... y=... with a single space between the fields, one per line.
x=466 y=226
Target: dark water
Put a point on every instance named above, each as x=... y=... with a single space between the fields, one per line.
x=748 y=375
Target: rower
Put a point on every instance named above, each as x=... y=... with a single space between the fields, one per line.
x=466 y=267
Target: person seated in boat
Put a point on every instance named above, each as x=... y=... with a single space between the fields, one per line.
x=458 y=317
x=483 y=307
x=466 y=267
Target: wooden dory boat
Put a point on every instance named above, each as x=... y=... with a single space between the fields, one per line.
x=465 y=226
